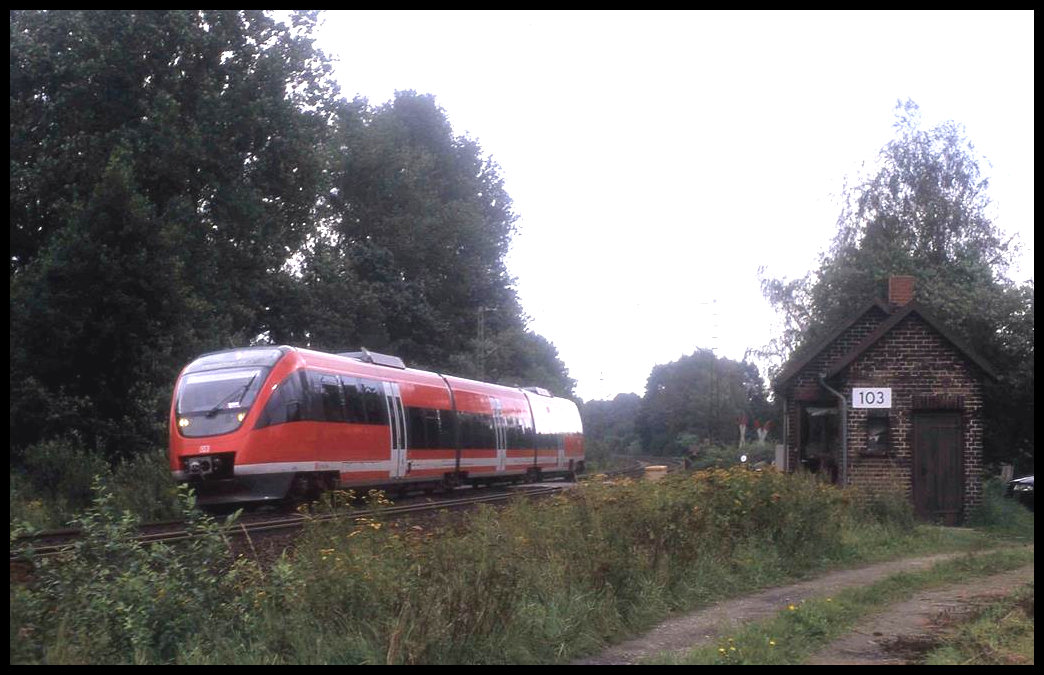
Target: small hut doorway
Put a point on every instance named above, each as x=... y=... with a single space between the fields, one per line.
x=937 y=466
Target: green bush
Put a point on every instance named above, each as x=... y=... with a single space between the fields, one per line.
x=144 y=486
x=114 y=600
x=1001 y=515
x=54 y=484
x=62 y=471
x=713 y=456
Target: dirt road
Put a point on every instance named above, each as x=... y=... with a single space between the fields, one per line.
x=878 y=640
x=907 y=630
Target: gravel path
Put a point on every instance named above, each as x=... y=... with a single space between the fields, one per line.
x=684 y=632
x=906 y=630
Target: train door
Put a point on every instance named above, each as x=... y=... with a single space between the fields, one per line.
x=561 y=451
x=500 y=433
x=397 y=422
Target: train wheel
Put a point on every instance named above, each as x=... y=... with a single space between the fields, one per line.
x=304 y=488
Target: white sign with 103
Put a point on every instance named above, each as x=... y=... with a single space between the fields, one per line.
x=871 y=397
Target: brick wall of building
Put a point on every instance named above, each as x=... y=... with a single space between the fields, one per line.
x=924 y=371
x=805 y=386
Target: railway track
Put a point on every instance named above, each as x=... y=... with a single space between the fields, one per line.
x=254 y=524
x=55 y=542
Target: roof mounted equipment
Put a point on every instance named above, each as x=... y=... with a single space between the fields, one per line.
x=366 y=356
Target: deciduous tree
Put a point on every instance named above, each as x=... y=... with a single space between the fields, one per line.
x=698 y=395
x=164 y=165
x=923 y=211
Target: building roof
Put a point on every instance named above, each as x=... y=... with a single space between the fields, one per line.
x=805 y=356
x=892 y=318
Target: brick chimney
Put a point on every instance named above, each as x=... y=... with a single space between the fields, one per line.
x=900 y=290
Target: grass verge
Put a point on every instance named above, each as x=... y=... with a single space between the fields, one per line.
x=533 y=582
x=1000 y=634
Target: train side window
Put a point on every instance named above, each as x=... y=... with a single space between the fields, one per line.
x=513 y=432
x=547 y=441
x=333 y=405
x=448 y=429
x=486 y=432
x=415 y=422
x=424 y=427
x=356 y=407
x=519 y=434
x=476 y=431
x=464 y=421
x=373 y=401
x=434 y=421
x=285 y=403
x=313 y=397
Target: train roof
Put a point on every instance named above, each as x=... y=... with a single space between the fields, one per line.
x=229 y=358
x=378 y=365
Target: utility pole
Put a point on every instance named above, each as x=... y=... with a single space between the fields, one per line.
x=481 y=343
x=714 y=421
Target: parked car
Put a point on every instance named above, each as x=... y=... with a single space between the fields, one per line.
x=1022 y=490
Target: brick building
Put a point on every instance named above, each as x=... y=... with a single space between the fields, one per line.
x=891 y=398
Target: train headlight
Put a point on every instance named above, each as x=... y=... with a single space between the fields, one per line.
x=241 y=416
x=183 y=422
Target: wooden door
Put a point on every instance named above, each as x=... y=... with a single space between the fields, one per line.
x=938 y=484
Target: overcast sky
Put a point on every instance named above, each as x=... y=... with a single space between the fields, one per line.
x=658 y=159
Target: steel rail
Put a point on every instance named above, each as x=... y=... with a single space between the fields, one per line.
x=292 y=521
x=23 y=544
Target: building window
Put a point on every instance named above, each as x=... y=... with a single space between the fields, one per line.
x=878 y=433
x=820 y=440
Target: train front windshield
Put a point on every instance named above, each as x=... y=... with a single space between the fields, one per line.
x=216 y=402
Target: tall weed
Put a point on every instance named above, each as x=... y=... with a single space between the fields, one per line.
x=888 y=507
x=530 y=582
x=537 y=581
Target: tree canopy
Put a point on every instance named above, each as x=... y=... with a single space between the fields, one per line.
x=183 y=181
x=701 y=397
x=696 y=401
x=923 y=211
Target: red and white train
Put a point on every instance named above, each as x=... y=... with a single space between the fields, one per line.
x=268 y=423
